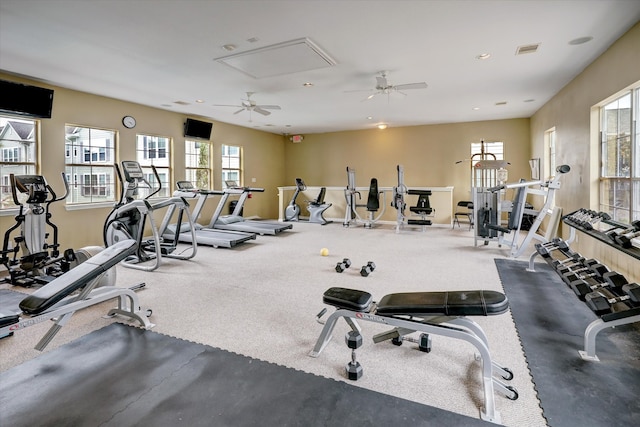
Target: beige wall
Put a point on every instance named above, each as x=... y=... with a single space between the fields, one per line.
x=571 y=113
x=428 y=154
x=264 y=155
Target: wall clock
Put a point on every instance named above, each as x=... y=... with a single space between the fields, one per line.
x=129 y=122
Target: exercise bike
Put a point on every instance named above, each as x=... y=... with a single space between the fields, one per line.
x=129 y=217
x=292 y=212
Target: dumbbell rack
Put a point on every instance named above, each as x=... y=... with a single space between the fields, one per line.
x=607 y=287
x=609 y=225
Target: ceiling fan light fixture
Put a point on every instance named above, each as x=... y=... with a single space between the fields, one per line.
x=382 y=126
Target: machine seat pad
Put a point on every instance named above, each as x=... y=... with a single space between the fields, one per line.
x=63 y=286
x=452 y=303
x=349 y=299
x=420 y=210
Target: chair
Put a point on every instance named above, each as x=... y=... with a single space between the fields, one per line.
x=464 y=209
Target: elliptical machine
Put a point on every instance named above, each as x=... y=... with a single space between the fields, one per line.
x=33 y=260
x=129 y=217
x=292 y=212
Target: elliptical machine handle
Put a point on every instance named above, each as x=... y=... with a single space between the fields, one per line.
x=155 y=173
x=12 y=180
x=65 y=181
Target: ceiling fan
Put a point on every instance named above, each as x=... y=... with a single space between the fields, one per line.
x=384 y=87
x=250 y=105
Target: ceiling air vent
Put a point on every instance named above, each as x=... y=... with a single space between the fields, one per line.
x=528 y=48
x=279 y=59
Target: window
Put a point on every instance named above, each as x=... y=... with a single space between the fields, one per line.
x=231 y=165
x=89 y=157
x=620 y=157
x=198 y=163
x=18 y=149
x=495 y=148
x=485 y=151
x=154 y=151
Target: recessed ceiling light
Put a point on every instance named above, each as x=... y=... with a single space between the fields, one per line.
x=229 y=47
x=199 y=101
x=580 y=40
x=382 y=126
x=307 y=84
x=483 y=56
x=369 y=118
x=475 y=108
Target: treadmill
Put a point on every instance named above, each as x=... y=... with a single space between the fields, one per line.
x=235 y=222
x=204 y=235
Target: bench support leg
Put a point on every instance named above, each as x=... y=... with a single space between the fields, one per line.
x=465 y=329
x=592 y=331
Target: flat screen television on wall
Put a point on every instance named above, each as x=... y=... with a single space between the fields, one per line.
x=25 y=100
x=197 y=129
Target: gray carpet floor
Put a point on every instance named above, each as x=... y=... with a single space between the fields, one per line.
x=260 y=300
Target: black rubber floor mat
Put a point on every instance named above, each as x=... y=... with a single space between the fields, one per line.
x=551 y=321
x=125 y=376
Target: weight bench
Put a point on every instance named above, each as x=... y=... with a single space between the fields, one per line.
x=438 y=313
x=75 y=290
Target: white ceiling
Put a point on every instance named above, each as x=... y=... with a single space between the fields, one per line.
x=157 y=52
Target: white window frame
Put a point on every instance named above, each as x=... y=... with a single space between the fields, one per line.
x=232 y=164
x=90 y=151
x=619 y=193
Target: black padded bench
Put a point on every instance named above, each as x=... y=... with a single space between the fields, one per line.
x=439 y=313
x=451 y=303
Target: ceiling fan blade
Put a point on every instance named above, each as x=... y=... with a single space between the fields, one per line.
x=268 y=107
x=259 y=110
x=225 y=105
x=421 y=85
x=239 y=111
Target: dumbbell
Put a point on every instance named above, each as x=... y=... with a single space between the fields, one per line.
x=353 y=368
x=601 y=303
x=624 y=240
x=595 y=270
x=367 y=269
x=424 y=341
x=633 y=291
x=612 y=280
x=573 y=259
x=546 y=248
x=581 y=265
x=600 y=216
x=343 y=265
x=619 y=231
